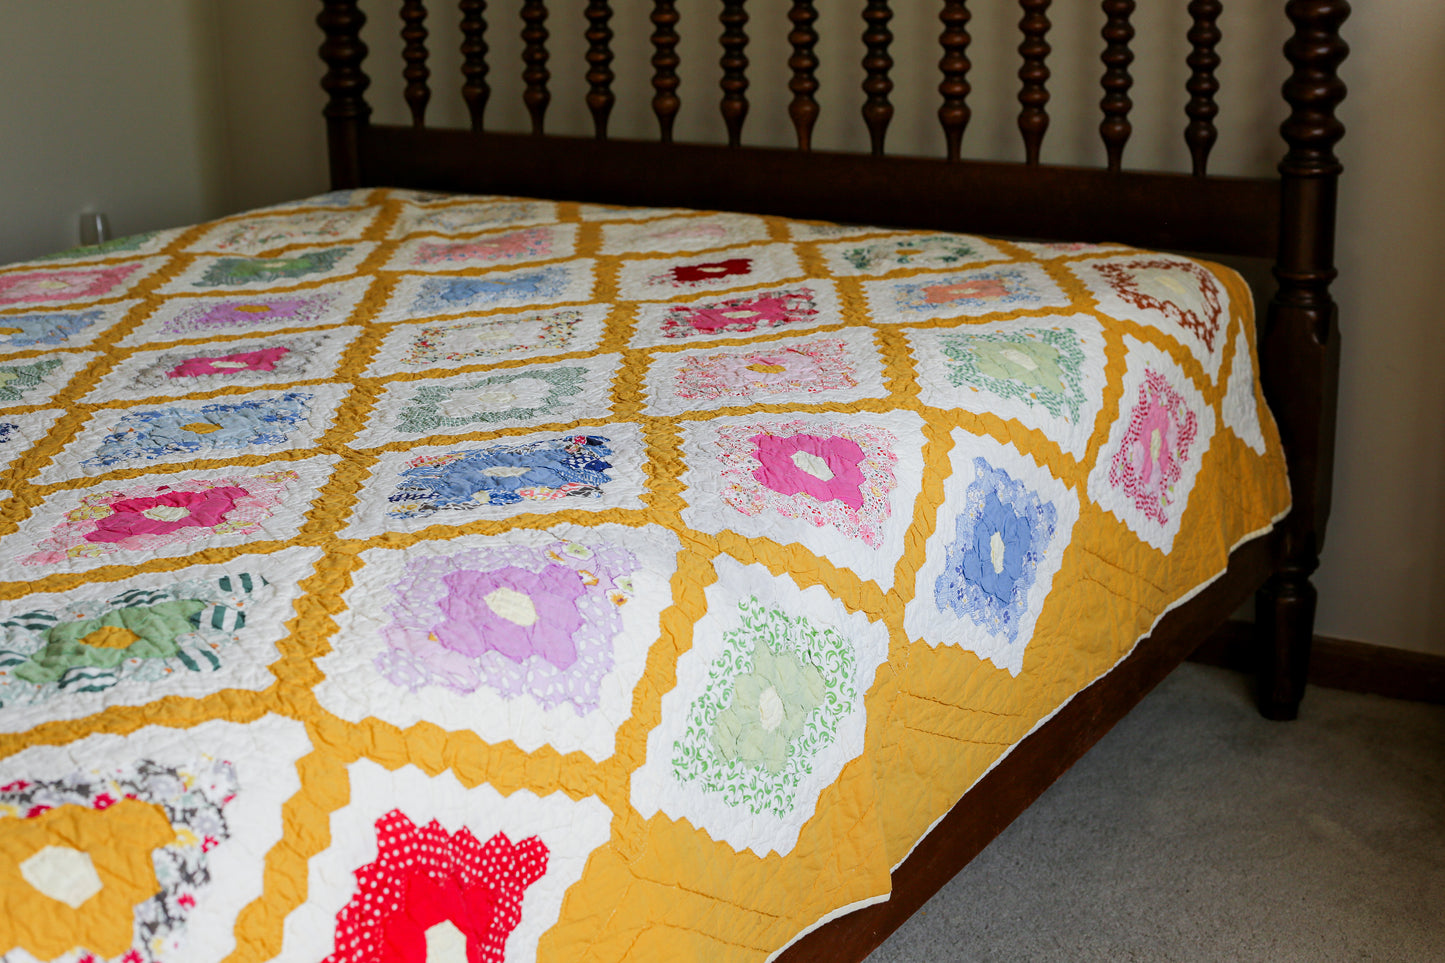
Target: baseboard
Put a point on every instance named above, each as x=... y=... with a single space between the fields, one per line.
x=1340 y=664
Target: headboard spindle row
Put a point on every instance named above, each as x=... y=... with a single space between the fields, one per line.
x=1115 y=127
x=1202 y=86
x=344 y=52
x=954 y=113
x=534 y=55
x=1034 y=94
x=474 y=60
x=803 y=109
x=734 y=63
x=413 y=35
x=665 y=101
x=599 y=65
x=877 y=110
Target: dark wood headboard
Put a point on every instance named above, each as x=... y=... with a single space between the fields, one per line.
x=1290 y=218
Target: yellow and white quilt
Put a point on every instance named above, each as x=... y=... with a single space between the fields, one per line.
x=387 y=576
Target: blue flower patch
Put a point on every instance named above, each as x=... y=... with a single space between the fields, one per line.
x=999 y=540
x=26 y=330
x=575 y=466
x=454 y=294
x=149 y=434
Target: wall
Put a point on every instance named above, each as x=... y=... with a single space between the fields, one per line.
x=112 y=106
x=1382 y=579
x=269 y=81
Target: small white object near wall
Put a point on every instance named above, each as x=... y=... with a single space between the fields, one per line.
x=94 y=228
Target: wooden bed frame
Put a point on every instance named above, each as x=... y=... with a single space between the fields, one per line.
x=1289 y=219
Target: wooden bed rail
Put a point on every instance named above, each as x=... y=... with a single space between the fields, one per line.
x=1234 y=215
x=1289 y=219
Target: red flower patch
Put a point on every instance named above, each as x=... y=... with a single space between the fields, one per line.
x=425 y=877
x=711 y=271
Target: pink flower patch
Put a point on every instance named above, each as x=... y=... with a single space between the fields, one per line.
x=1150 y=459
x=148 y=517
x=263 y=360
x=742 y=315
x=65 y=285
x=62 y=285
x=824 y=468
x=815 y=367
x=838 y=476
x=163 y=514
x=423 y=877
x=535 y=242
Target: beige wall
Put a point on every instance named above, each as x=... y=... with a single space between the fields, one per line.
x=1383 y=576
x=269 y=81
x=109 y=105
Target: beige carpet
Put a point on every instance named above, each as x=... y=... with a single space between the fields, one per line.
x=1197 y=831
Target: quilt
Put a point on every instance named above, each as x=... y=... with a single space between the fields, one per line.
x=394 y=576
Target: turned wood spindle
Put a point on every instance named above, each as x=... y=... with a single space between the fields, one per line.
x=954 y=113
x=345 y=83
x=1204 y=36
x=474 y=60
x=1300 y=345
x=665 y=61
x=414 y=34
x=803 y=109
x=1115 y=127
x=599 y=65
x=534 y=56
x=1034 y=94
x=877 y=109
x=734 y=63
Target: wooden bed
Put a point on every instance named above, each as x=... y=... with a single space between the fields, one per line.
x=1289 y=219
x=401 y=570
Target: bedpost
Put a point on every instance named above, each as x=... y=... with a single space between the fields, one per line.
x=1300 y=345
x=347 y=111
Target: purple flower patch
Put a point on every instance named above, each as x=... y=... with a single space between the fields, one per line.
x=512 y=611
x=241 y=313
x=518 y=620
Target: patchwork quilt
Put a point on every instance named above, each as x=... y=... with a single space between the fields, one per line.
x=391 y=576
